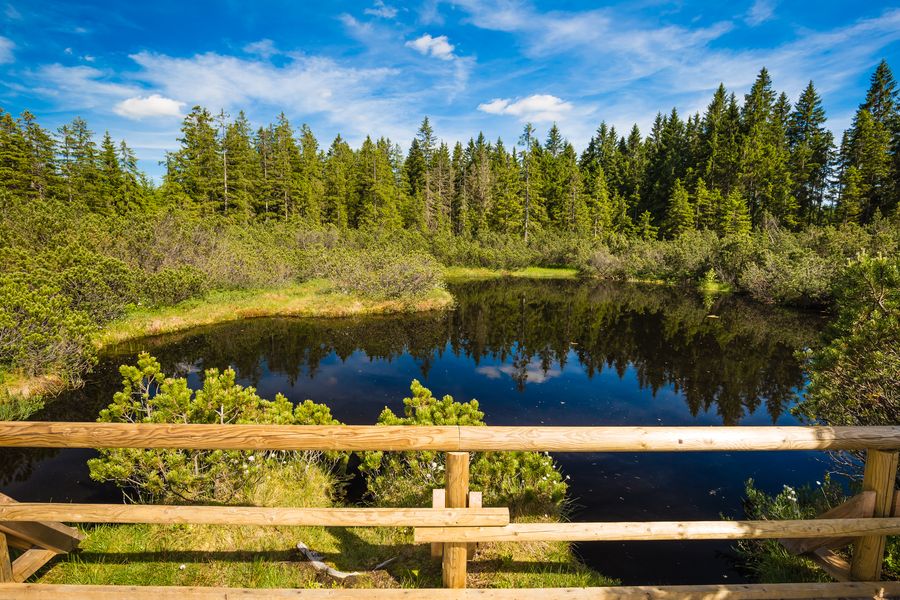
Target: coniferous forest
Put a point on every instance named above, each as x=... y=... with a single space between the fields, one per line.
x=743 y=162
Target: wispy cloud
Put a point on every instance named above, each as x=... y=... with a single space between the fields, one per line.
x=264 y=48
x=6 y=50
x=380 y=9
x=631 y=67
x=439 y=46
x=154 y=105
x=760 y=12
x=536 y=108
x=11 y=13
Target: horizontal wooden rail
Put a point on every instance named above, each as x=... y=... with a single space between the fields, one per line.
x=253 y=515
x=445 y=438
x=662 y=530
x=782 y=591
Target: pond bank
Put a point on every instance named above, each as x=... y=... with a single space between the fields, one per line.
x=314 y=298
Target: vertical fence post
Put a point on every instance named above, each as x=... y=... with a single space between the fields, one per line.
x=457 y=491
x=5 y=563
x=879 y=476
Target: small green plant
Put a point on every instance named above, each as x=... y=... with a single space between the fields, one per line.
x=767 y=560
x=193 y=475
x=527 y=482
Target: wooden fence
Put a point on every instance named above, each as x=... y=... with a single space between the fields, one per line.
x=457 y=519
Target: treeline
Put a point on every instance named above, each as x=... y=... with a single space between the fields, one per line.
x=737 y=165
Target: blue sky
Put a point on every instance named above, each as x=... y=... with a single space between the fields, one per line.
x=379 y=66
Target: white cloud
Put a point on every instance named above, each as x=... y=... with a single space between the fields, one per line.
x=535 y=108
x=439 y=46
x=760 y=12
x=6 y=50
x=80 y=87
x=380 y=9
x=154 y=105
x=12 y=14
x=359 y=101
x=534 y=372
x=263 y=48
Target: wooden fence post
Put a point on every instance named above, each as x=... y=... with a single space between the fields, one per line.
x=5 y=564
x=457 y=491
x=879 y=476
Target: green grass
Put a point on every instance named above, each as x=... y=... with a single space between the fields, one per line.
x=309 y=299
x=239 y=556
x=470 y=273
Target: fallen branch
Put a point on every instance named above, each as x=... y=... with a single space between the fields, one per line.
x=315 y=559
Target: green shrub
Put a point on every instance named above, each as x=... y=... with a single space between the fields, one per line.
x=193 y=475
x=854 y=378
x=98 y=285
x=526 y=482
x=40 y=332
x=172 y=285
x=381 y=273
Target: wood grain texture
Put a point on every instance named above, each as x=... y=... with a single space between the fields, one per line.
x=782 y=591
x=456 y=496
x=661 y=530
x=253 y=515
x=676 y=439
x=879 y=476
x=238 y=437
x=5 y=562
x=45 y=534
x=30 y=562
x=438 y=500
x=837 y=567
x=446 y=438
x=859 y=506
x=475 y=501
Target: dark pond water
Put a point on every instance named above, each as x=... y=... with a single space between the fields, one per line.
x=532 y=353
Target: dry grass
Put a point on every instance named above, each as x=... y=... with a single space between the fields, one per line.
x=310 y=299
x=470 y=273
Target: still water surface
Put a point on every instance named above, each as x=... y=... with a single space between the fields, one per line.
x=532 y=353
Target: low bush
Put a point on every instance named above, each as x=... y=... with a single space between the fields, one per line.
x=172 y=285
x=527 y=482
x=193 y=475
x=381 y=273
x=854 y=377
x=40 y=331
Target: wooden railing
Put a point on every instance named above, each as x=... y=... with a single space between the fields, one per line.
x=457 y=520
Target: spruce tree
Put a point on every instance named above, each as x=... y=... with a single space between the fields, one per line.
x=40 y=158
x=111 y=177
x=811 y=149
x=871 y=146
x=680 y=214
x=338 y=183
x=310 y=185
x=735 y=215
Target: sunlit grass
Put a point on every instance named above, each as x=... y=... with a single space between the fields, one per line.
x=309 y=299
x=470 y=273
x=265 y=557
